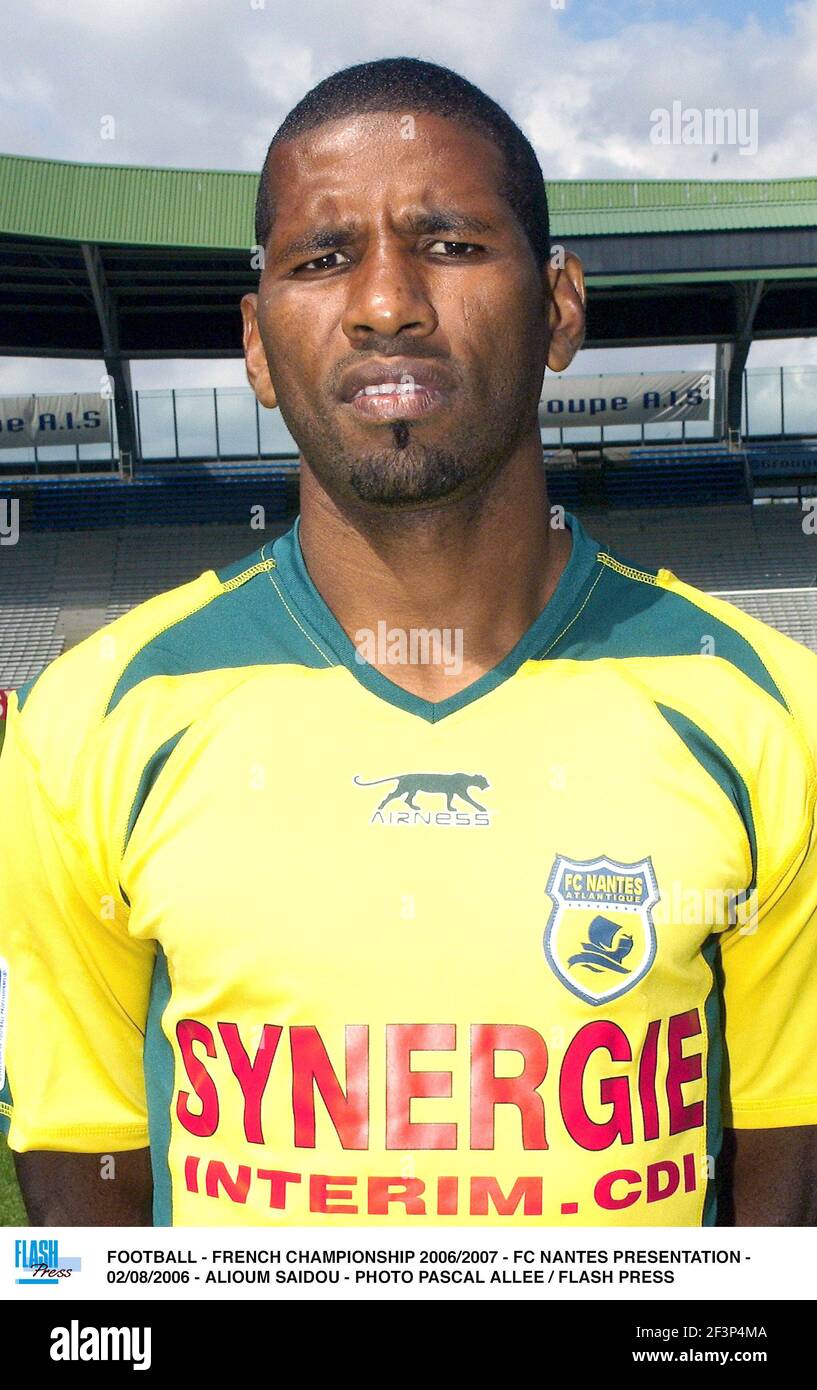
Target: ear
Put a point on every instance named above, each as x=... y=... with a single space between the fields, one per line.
x=255 y=358
x=566 y=319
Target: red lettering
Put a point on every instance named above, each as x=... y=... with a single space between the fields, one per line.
x=655 y=1171
x=349 y=1111
x=191 y=1173
x=382 y=1191
x=596 y=1100
x=251 y=1077
x=326 y=1195
x=690 y=1180
x=613 y=1090
x=603 y=1191
x=489 y=1090
x=682 y=1069
x=646 y=1080
x=404 y=1085
x=525 y=1190
x=447 y=1196
x=218 y=1176
x=278 y=1180
x=204 y=1124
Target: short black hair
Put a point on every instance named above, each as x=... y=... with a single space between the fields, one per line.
x=411 y=84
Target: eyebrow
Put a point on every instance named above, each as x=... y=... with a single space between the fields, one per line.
x=332 y=235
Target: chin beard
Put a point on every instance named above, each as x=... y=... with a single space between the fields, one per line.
x=405 y=472
x=408 y=473
x=412 y=474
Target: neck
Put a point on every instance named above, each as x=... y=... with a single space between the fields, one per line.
x=479 y=570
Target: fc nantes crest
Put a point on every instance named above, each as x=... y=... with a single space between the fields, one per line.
x=600 y=936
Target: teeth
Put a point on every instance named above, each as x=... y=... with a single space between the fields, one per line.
x=386 y=388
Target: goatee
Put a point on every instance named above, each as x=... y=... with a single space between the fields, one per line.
x=410 y=476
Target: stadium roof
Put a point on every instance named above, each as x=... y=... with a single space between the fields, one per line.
x=125 y=262
x=208 y=208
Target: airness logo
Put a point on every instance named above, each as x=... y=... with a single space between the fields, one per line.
x=600 y=937
x=453 y=786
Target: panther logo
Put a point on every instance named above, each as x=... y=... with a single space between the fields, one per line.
x=447 y=784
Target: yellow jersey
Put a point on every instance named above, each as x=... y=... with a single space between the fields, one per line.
x=343 y=956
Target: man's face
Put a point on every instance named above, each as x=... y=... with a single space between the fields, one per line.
x=402 y=315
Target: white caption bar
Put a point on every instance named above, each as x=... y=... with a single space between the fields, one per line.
x=527 y=1263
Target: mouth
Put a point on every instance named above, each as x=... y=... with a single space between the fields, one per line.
x=399 y=389
x=396 y=400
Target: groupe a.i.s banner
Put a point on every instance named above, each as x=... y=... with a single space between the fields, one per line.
x=75 y=417
x=632 y=398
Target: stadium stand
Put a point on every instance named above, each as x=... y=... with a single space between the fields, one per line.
x=654 y=477
x=196 y=492
x=149 y=561
x=793 y=611
x=782 y=470
x=28 y=642
x=719 y=549
x=65 y=584
x=28 y=614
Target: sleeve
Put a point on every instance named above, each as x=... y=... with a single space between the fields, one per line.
x=77 y=985
x=769 y=960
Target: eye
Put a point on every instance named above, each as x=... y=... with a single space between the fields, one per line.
x=319 y=263
x=456 y=250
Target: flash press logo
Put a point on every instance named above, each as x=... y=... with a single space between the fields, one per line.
x=39 y=1262
x=75 y=1343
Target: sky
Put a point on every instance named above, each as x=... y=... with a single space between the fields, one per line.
x=205 y=83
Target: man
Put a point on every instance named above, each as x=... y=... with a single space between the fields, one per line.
x=347 y=934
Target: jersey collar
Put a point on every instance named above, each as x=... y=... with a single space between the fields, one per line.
x=565 y=601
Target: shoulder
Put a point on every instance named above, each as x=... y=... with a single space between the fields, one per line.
x=785 y=669
x=631 y=612
x=741 y=683
x=59 y=714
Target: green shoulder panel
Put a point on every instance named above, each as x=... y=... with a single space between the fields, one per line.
x=721 y=769
x=242 y=624
x=630 y=614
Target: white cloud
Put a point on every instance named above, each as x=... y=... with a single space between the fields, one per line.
x=206 y=84
x=683 y=357
x=591 y=118
x=281 y=71
x=787 y=352
x=103 y=15
x=23 y=375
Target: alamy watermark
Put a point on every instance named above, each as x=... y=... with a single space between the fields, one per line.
x=9 y=520
x=413 y=646
x=709 y=125
x=716 y=907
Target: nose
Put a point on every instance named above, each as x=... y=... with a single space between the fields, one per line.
x=387 y=296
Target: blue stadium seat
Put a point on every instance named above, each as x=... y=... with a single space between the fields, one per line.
x=159 y=497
